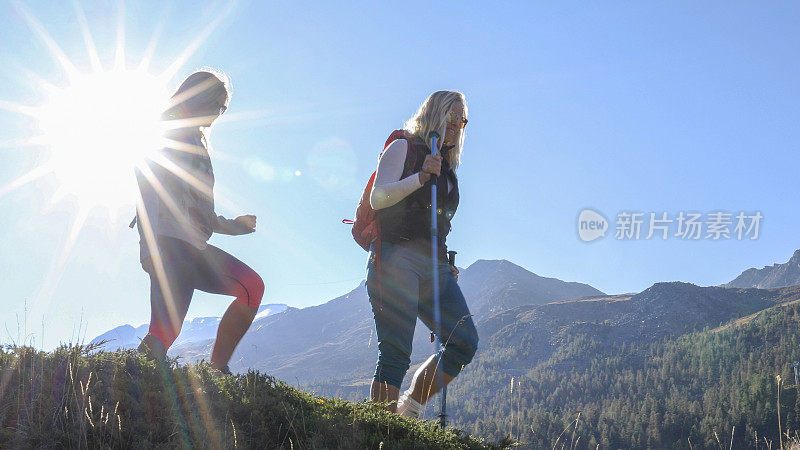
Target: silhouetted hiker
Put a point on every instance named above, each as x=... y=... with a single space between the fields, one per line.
x=399 y=271
x=176 y=217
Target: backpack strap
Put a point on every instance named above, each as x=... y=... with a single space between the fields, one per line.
x=412 y=148
x=412 y=152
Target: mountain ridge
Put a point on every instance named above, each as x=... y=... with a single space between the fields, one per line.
x=776 y=275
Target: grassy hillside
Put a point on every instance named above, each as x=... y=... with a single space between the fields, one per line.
x=74 y=398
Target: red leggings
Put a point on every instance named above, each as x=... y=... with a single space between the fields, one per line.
x=188 y=268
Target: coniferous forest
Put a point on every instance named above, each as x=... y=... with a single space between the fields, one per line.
x=695 y=391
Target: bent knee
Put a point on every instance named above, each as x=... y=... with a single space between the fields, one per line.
x=257 y=288
x=470 y=348
x=472 y=342
x=462 y=349
x=467 y=349
x=254 y=290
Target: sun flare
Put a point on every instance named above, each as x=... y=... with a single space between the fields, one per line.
x=98 y=128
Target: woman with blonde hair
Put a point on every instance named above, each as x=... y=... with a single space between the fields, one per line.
x=176 y=218
x=399 y=278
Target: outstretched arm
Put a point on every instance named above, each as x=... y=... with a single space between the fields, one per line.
x=234 y=227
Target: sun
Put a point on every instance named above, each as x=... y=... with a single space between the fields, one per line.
x=98 y=129
x=105 y=120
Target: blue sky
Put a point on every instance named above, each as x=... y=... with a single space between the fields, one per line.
x=614 y=106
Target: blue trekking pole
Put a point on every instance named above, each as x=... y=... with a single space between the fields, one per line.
x=437 y=316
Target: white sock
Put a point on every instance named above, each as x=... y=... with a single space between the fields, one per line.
x=407 y=406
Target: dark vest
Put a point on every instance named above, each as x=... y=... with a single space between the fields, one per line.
x=410 y=218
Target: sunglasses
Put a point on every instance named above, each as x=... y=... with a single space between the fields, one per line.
x=454 y=118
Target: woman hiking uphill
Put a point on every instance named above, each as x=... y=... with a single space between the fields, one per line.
x=175 y=219
x=399 y=273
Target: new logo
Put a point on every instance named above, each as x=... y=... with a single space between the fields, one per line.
x=591 y=225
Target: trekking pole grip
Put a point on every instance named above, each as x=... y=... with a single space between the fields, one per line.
x=434 y=136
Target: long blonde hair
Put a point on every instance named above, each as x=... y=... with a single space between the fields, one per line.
x=432 y=116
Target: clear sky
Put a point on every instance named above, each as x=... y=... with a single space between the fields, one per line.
x=614 y=106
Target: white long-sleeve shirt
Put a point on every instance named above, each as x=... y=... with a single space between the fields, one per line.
x=388 y=188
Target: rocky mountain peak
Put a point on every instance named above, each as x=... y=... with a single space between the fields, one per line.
x=776 y=275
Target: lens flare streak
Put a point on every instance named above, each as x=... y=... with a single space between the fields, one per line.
x=94 y=58
x=33 y=175
x=37 y=27
x=45 y=293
